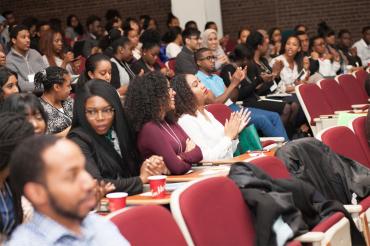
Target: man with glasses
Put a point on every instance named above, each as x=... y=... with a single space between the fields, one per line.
x=185 y=62
x=269 y=123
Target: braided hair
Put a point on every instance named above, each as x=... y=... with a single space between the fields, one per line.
x=45 y=79
x=13 y=129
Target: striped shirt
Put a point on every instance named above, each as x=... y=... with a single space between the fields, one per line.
x=6 y=210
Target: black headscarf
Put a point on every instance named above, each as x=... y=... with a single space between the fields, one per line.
x=108 y=156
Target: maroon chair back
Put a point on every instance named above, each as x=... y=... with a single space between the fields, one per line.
x=215 y=213
x=359 y=127
x=149 y=225
x=220 y=111
x=272 y=166
x=361 y=76
x=344 y=142
x=314 y=101
x=171 y=63
x=354 y=92
x=334 y=95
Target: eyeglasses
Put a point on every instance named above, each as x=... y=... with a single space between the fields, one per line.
x=94 y=113
x=209 y=58
x=195 y=38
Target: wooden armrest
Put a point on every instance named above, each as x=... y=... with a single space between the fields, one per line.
x=342 y=111
x=360 y=106
x=328 y=116
x=310 y=237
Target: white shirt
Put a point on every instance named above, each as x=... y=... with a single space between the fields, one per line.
x=327 y=68
x=58 y=62
x=287 y=75
x=124 y=78
x=209 y=135
x=172 y=50
x=363 y=51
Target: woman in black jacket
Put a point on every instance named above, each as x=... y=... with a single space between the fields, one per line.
x=101 y=130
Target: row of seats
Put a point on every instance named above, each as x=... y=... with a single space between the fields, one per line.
x=212 y=211
x=322 y=101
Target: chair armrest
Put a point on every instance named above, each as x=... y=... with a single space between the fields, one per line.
x=342 y=111
x=360 y=106
x=328 y=116
x=311 y=237
x=353 y=208
x=240 y=103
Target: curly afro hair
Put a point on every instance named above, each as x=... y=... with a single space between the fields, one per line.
x=186 y=103
x=147 y=96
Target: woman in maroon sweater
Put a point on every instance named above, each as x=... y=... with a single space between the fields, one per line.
x=149 y=104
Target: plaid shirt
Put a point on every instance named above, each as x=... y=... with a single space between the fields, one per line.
x=41 y=230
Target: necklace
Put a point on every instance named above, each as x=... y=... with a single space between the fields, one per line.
x=173 y=135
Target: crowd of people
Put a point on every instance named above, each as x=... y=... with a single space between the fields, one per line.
x=105 y=107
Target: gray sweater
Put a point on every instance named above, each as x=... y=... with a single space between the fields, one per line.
x=24 y=66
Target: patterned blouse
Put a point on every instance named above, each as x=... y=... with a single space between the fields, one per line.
x=58 y=119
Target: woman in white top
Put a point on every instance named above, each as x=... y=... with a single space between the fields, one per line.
x=174 y=40
x=328 y=59
x=296 y=68
x=215 y=140
x=51 y=45
x=211 y=42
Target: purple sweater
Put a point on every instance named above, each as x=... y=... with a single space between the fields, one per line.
x=154 y=140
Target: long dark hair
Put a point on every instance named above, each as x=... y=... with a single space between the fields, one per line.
x=79 y=29
x=298 y=58
x=90 y=66
x=146 y=96
x=5 y=73
x=101 y=88
x=186 y=103
x=254 y=39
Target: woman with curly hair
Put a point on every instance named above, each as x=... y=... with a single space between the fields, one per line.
x=215 y=140
x=150 y=103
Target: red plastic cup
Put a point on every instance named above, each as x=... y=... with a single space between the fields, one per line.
x=157 y=185
x=117 y=200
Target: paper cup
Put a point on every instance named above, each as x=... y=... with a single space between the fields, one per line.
x=117 y=200
x=157 y=185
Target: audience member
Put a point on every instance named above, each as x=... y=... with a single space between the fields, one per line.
x=41 y=28
x=133 y=36
x=8 y=83
x=4 y=33
x=10 y=18
x=31 y=24
x=172 y=21
x=274 y=35
x=56 y=84
x=215 y=140
x=347 y=52
x=74 y=30
x=28 y=105
x=191 y=24
x=51 y=45
x=363 y=46
x=210 y=41
x=21 y=59
x=211 y=25
x=13 y=130
x=328 y=60
x=185 y=62
x=173 y=39
x=122 y=49
x=101 y=130
x=2 y=58
x=62 y=193
x=243 y=35
x=98 y=66
x=300 y=28
x=94 y=33
x=267 y=122
x=305 y=51
x=150 y=105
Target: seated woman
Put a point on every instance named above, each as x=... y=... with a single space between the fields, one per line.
x=173 y=39
x=150 y=104
x=98 y=66
x=148 y=61
x=215 y=140
x=8 y=83
x=56 y=83
x=13 y=129
x=210 y=41
x=28 y=105
x=275 y=37
x=100 y=129
x=51 y=45
x=295 y=70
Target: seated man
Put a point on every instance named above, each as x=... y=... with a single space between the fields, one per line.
x=21 y=59
x=185 y=63
x=62 y=193
x=348 y=54
x=363 y=46
x=269 y=123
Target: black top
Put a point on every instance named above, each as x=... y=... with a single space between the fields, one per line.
x=140 y=64
x=96 y=156
x=254 y=71
x=185 y=62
